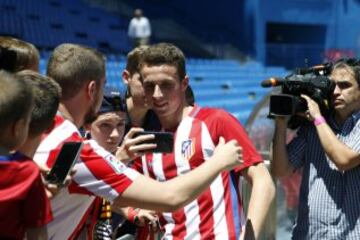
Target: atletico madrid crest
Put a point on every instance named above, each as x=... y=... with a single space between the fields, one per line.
x=188 y=148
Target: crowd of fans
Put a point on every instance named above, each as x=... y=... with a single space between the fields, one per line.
x=190 y=193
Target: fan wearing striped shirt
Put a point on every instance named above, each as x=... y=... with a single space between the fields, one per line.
x=108 y=131
x=329 y=153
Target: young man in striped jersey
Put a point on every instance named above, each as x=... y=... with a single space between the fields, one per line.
x=218 y=212
x=80 y=71
x=329 y=152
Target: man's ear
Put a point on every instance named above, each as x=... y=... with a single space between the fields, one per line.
x=185 y=83
x=126 y=76
x=91 y=89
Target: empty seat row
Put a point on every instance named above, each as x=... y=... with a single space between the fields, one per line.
x=236 y=90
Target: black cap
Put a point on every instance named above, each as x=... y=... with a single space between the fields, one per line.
x=112 y=101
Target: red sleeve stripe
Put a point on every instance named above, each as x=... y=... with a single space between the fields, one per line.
x=100 y=173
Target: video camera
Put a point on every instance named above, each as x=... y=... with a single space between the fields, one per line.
x=312 y=81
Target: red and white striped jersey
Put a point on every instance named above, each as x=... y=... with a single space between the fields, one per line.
x=217 y=213
x=98 y=173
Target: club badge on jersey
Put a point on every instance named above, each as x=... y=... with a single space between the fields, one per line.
x=188 y=148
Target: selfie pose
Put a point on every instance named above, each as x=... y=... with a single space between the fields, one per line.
x=218 y=212
x=80 y=71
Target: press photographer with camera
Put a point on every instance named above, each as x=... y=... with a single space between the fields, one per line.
x=328 y=150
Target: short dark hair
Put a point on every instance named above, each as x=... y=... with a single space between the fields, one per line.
x=72 y=65
x=16 y=97
x=133 y=59
x=351 y=63
x=165 y=53
x=26 y=54
x=46 y=97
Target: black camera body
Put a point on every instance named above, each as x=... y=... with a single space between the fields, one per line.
x=313 y=82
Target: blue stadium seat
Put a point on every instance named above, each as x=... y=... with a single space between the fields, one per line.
x=230 y=86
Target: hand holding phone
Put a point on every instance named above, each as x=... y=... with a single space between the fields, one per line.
x=137 y=142
x=164 y=141
x=64 y=162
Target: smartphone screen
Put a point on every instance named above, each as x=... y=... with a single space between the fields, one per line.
x=163 y=140
x=64 y=162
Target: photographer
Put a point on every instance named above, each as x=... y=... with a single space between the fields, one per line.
x=328 y=150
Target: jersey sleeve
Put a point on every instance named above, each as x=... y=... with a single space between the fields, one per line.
x=99 y=173
x=37 y=209
x=229 y=127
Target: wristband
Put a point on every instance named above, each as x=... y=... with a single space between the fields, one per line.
x=132 y=214
x=319 y=120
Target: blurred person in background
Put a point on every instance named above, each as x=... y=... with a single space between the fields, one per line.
x=217 y=213
x=139 y=29
x=24 y=206
x=329 y=152
x=80 y=71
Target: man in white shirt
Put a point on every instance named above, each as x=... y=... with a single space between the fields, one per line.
x=139 y=29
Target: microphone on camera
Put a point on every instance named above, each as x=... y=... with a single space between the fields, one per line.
x=272 y=82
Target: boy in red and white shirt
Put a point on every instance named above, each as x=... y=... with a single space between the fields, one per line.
x=24 y=206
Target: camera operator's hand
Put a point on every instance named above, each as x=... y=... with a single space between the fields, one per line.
x=313 y=108
x=133 y=147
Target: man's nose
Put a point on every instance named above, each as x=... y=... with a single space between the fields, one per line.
x=157 y=92
x=336 y=90
x=114 y=133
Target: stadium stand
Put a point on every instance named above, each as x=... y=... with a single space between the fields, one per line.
x=49 y=23
x=225 y=84
x=46 y=23
x=218 y=83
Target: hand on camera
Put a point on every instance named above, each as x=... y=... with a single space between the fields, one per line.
x=313 y=108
